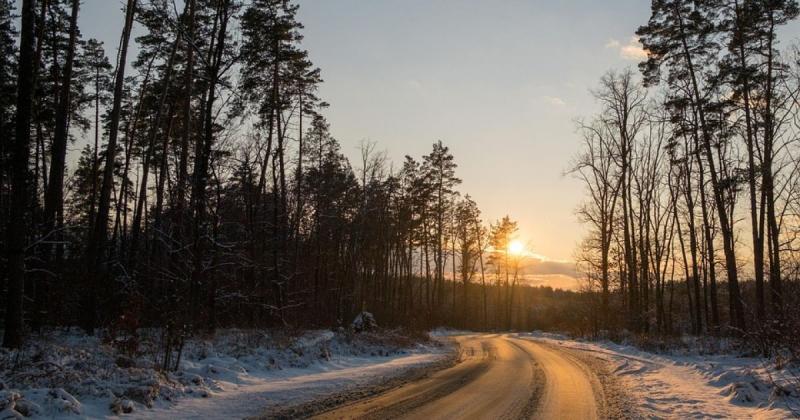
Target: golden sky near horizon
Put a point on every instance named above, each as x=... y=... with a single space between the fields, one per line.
x=500 y=83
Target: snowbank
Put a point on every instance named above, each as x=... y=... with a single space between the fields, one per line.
x=233 y=375
x=448 y=332
x=689 y=384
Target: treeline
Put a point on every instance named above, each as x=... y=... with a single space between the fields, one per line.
x=691 y=172
x=211 y=192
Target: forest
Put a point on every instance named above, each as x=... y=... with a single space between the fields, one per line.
x=208 y=191
x=211 y=192
x=691 y=176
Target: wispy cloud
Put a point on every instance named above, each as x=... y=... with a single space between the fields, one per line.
x=414 y=84
x=632 y=50
x=556 y=281
x=564 y=268
x=554 y=100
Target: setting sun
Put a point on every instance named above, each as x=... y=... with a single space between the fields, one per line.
x=516 y=247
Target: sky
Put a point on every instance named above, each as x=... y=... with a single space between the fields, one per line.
x=501 y=83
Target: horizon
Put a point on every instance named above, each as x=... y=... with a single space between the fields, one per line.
x=542 y=100
x=530 y=107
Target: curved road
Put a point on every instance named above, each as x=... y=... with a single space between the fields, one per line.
x=499 y=377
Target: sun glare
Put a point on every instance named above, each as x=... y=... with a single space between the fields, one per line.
x=516 y=247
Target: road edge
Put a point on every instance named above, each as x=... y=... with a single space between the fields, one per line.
x=311 y=408
x=614 y=402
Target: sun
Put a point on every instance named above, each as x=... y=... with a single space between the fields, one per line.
x=516 y=247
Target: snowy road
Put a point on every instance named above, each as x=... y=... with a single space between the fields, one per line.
x=500 y=376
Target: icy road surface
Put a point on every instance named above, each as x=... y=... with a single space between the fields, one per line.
x=499 y=377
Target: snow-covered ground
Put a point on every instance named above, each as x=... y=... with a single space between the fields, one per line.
x=233 y=375
x=240 y=373
x=687 y=384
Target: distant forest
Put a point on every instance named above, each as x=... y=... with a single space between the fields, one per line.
x=211 y=193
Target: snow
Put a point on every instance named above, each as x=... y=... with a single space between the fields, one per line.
x=689 y=384
x=449 y=332
x=235 y=374
x=249 y=396
x=364 y=321
x=241 y=373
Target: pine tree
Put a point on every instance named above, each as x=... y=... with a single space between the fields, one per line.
x=8 y=76
x=503 y=233
x=96 y=245
x=439 y=168
x=99 y=68
x=54 y=195
x=20 y=151
x=680 y=36
x=467 y=216
x=274 y=74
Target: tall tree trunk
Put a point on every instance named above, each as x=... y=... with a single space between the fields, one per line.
x=711 y=254
x=693 y=242
x=188 y=88
x=483 y=274
x=163 y=171
x=630 y=264
x=41 y=25
x=54 y=196
x=682 y=244
x=20 y=153
x=97 y=242
x=96 y=148
x=773 y=230
x=203 y=155
x=39 y=281
x=148 y=154
x=757 y=225
x=737 y=306
x=131 y=131
x=453 y=308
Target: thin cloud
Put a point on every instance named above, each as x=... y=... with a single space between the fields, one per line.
x=562 y=268
x=414 y=84
x=632 y=51
x=556 y=281
x=554 y=100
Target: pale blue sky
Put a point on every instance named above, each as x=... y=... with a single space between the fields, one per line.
x=500 y=82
